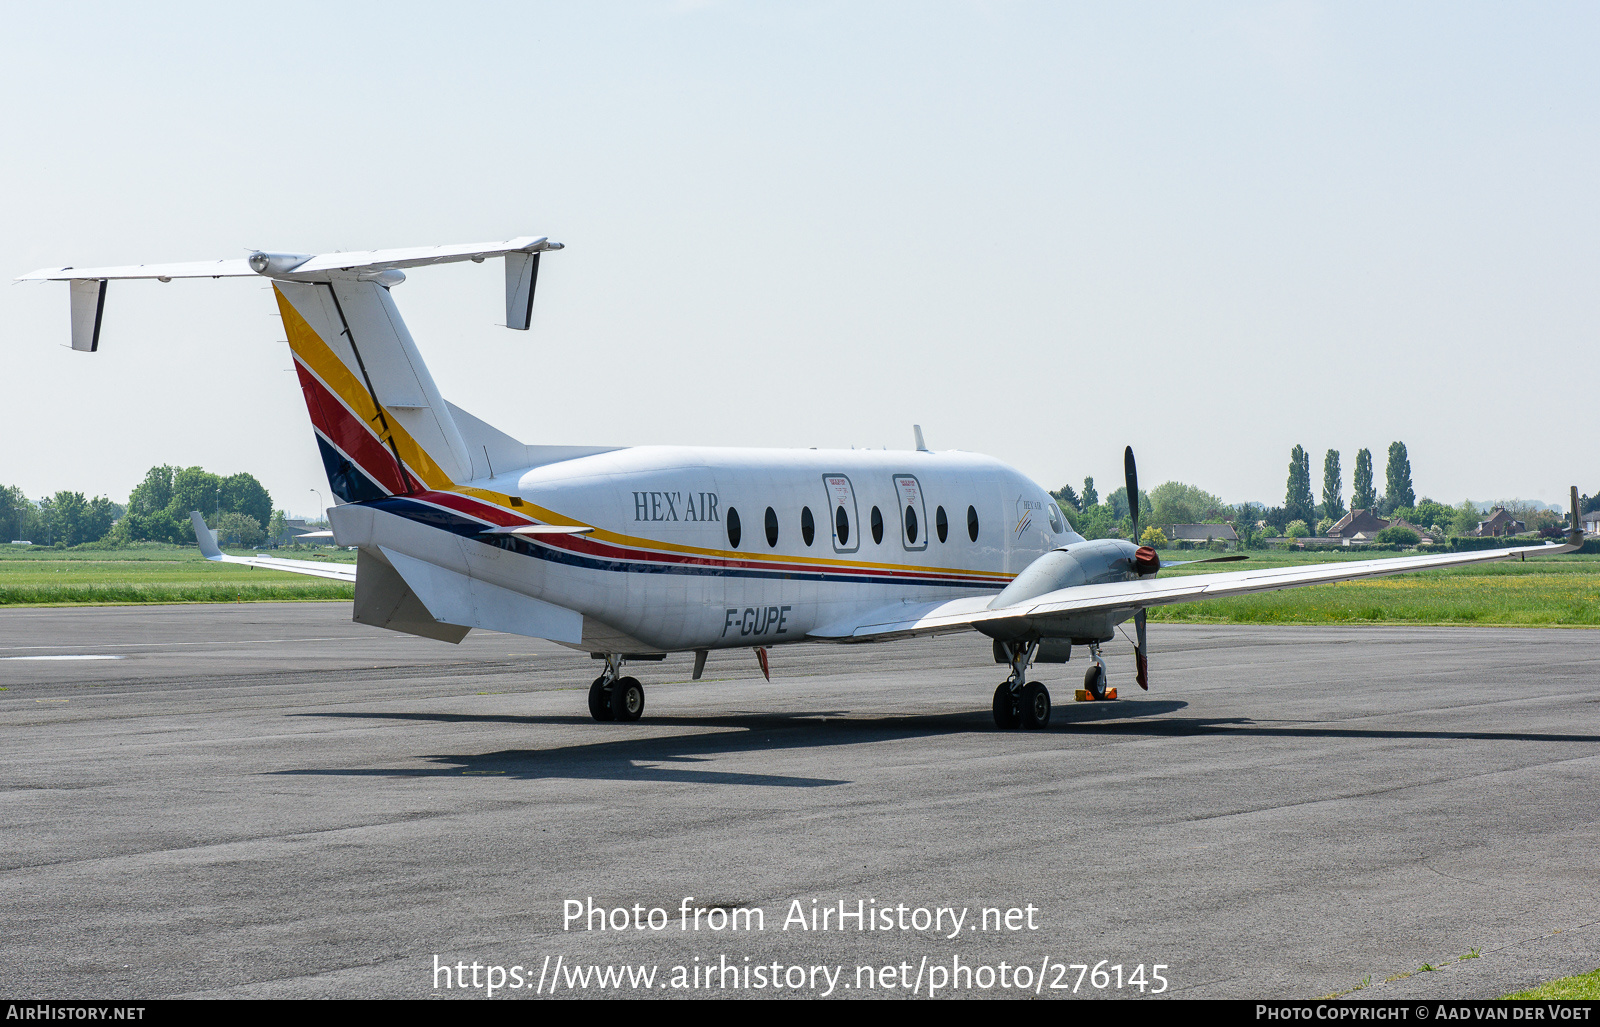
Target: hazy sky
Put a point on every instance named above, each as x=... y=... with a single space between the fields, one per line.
x=1042 y=231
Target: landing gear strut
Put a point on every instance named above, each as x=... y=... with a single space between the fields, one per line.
x=614 y=697
x=1019 y=702
x=1094 y=680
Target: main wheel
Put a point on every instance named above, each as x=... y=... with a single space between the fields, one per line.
x=600 y=699
x=1094 y=680
x=1035 y=706
x=627 y=699
x=1005 y=707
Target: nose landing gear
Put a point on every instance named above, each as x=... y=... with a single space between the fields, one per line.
x=1094 y=680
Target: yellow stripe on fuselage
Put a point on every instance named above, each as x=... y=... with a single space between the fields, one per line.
x=636 y=542
x=317 y=355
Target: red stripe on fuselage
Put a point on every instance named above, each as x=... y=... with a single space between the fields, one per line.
x=334 y=420
x=583 y=545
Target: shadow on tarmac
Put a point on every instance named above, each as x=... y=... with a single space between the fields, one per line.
x=663 y=758
x=637 y=758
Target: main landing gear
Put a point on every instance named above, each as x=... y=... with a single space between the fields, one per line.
x=614 y=697
x=1018 y=702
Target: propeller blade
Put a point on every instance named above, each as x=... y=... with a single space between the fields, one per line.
x=1143 y=674
x=1181 y=563
x=1132 y=474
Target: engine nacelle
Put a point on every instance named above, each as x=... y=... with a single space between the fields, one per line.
x=1081 y=563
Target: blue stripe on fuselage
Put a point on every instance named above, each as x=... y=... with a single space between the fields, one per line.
x=456 y=524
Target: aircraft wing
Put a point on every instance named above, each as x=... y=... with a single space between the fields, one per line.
x=905 y=620
x=214 y=553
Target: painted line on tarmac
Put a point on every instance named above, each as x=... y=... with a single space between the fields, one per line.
x=134 y=645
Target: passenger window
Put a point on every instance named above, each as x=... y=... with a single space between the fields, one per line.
x=912 y=511
x=941 y=524
x=842 y=501
x=972 y=523
x=733 y=527
x=808 y=527
x=877 y=526
x=772 y=528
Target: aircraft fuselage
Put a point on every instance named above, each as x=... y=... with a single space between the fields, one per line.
x=702 y=548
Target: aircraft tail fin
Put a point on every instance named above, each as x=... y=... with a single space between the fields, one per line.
x=381 y=425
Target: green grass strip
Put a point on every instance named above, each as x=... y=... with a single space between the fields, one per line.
x=1583 y=986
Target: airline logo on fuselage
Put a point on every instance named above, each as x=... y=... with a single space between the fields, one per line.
x=1025 y=511
x=675 y=506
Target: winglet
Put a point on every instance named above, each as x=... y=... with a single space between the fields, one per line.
x=203 y=535
x=1575 y=535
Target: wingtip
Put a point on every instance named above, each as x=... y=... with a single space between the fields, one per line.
x=203 y=535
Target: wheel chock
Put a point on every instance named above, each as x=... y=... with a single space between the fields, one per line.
x=1084 y=695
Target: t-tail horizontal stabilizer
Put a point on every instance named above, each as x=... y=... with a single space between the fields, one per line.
x=384 y=267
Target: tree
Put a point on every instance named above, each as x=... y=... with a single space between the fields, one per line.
x=19 y=516
x=1395 y=535
x=1323 y=525
x=1118 y=502
x=1245 y=517
x=241 y=493
x=1433 y=515
x=1332 y=486
x=1297 y=529
x=1153 y=536
x=1173 y=502
x=1398 y=491
x=194 y=488
x=1297 y=500
x=239 y=529
x=75 y=520
x=1090 y=496
x=1068 y=497
x=154 y=493
x=1466 y=518
x=159 y=526
x=1096 y=522
x=1362 y=496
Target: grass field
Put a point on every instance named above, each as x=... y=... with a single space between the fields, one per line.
x=1562 y=591
x=1557 y=591
x=1583 y=986
x=150 y=573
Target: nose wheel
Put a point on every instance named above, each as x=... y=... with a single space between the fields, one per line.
x=1094 y=679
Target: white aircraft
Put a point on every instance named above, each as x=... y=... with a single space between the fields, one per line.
x=630 y=554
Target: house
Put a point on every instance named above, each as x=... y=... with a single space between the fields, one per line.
x=1200 y=532
x=1357 y=522
x=1590 y=522
x=1500 y=523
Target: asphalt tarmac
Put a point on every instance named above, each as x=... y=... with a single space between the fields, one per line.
x=267 y=800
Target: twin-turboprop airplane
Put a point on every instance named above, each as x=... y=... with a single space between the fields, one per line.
x=634 y=553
